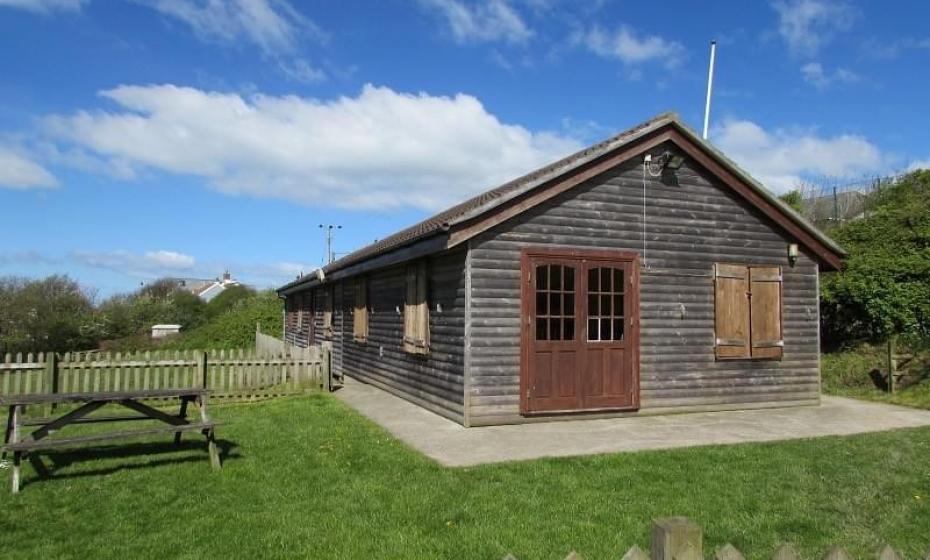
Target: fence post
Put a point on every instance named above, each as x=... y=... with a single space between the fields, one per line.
x=202 y=368
x=327 y=365
x=51 y=374
x=892 y=365
x=676 y=538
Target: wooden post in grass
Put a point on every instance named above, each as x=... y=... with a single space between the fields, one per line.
x=892 y=365
x=676 y=538
x=327 y=356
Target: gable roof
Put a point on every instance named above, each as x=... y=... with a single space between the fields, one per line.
x=463 y=221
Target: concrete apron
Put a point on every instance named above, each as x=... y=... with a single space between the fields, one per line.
x=456 y=446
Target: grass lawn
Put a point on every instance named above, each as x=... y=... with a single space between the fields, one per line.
x=307 y=477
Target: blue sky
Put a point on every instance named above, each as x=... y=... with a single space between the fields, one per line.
x=163 y=137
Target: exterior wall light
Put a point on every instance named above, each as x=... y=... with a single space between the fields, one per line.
x=668 y=160
x=674 y=162
x=792 y=253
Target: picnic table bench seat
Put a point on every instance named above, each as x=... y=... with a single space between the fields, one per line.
x=53 y=443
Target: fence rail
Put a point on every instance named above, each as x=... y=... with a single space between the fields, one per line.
x=231 y=374
x=679 y=538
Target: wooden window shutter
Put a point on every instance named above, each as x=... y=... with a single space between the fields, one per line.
x=765 y=289
x=328 y=297
x=731 y=311
x=360 y=311
x=310 y=311
x=416 y=310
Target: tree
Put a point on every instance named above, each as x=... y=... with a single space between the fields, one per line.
x=794 y=199
x=52 y=314
x=884 y=287
x=226 y=300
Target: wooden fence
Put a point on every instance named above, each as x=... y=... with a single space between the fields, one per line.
x=231 y=374
x=679 y=538
x=266 y=345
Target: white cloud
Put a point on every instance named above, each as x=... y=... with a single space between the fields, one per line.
x=780 y=159
x=273 y=274
x=157 y=264
x=815 y=75
x=806 y=25
x=630 y=47
x=148 y=265
x=919 y=164
x=299 y=70
x=43 y=6
x=381 y=149
x=274 y=25
x=30 y=257
x=892 y=48
x=481 y=21
x=170 y=259
x=18 y=171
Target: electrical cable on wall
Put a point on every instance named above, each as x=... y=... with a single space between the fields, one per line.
x=647 y=166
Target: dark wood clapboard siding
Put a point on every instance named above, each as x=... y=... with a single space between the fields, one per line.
x=339 y=325
x=690 y=226
x=434 y=381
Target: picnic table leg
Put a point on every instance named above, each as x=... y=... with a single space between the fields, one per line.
x=211 y=440
x=183 y=416
x=9 y=430
x=17 y=455
x=17 y=459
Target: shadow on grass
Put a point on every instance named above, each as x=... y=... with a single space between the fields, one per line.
x=63 y=459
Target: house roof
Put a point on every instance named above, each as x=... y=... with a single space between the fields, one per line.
x=489 y=201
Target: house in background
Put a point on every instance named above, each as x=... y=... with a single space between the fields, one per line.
x=646 y=274
x=209 y=289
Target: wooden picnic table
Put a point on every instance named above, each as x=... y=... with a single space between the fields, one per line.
x=23 y=444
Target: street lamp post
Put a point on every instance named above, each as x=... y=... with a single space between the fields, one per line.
x=329 y=240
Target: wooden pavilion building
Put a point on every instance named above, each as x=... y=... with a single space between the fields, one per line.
x=645 y=274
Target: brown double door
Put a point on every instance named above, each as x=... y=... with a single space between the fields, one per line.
x=580 y=331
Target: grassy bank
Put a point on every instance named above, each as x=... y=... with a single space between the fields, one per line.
x=847 y=373
x=307 y=477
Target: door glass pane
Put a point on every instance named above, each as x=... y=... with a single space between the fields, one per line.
x=568 y=304
x=555 y=277
x=605 y=329
x=618 y=280
x=592 y=329
x=618 y=304
x=569 y=325
x=542 y=277
x=541 y=329
x=605 y=305
x=555 y=333
x=569 y=279
x=592 y=305
x=542 y=303
x=555 y=303
x=605 y=279
x=593 y=284
x=618 y=329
